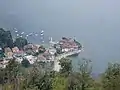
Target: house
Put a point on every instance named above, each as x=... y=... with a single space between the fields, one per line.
x=32 y=47
x=41 y=58
x=8 y=53
x=31 y=59
x=47 y=54
x=68 y=44
x=15 y=50
x=19 y=54
x=52 y=51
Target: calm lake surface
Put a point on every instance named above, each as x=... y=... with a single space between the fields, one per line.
x=95 y=23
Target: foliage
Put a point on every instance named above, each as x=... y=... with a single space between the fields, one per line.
x=2 y=76
x=59 y=83
x=97 y=84
x=40 y=81
x=84 y=75
x=11 y=77
x=59 y=50
x=30 y=52
x=5 y=39
x=36 y=54
x=25 y=63
x=1 y=55
x=36 y=78
x=41 y=49
x=73 y=82
x=20 y=42
x=111 y=77
x=12 y=68
x=66 y=66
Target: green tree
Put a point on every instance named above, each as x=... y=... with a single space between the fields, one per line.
x=59 y=83
x=59 y=50
x=85 y=70
x=111 y=77
x=13 y=72
x=45 y=82
x=65 y=77
x=41 y=49
x=73 y=81
x=25 y=63
x=82 y=79
x=3 y=78
x=36 y=54
x=5 y=39
x=20 y=42
x=38 y=80
x=1 y=54
x=66 y=66
x=30 y=52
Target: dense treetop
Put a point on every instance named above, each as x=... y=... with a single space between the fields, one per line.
x=5 y=38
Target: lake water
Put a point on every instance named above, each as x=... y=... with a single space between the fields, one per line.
x=95 y=23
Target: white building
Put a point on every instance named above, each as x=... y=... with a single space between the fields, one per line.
x=31 y=59
x=19 y=59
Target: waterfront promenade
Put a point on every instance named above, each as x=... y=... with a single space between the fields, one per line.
x=64 y=55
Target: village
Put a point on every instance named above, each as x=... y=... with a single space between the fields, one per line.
x=38 y=53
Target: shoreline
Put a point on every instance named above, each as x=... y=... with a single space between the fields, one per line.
x=56 y=60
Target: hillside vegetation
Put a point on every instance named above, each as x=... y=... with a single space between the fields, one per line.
x=15 y=77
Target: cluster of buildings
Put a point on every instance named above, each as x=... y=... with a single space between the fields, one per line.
x=28 y=52
x=66 y=45
x=37 y=53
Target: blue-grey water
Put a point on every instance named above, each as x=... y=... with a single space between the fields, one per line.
x=95 y=23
